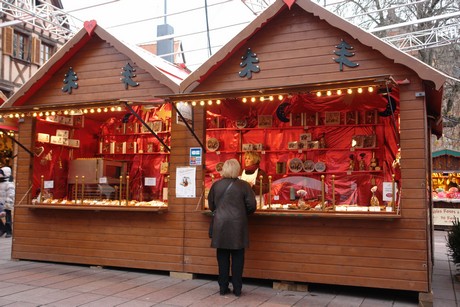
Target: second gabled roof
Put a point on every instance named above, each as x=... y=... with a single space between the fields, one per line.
x=424 y=71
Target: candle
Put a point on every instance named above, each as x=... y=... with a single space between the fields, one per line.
x=260 y=190
x=333 y=191
x=42 y=186
x=82 y=189
x=269 y=191
x=393 y=191
x=121 y=190
x=323 y=205
x=76 y=189
x=127 y=190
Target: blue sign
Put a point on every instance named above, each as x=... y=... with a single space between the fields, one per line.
x=196 y=155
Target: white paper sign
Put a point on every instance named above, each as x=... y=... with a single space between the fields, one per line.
x=48 y=184
x=185 y=182
x=445 y=216
x=150 y=181
x=103 y=180
x=387 y=194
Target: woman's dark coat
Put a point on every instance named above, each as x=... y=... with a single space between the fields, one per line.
x=230 y=229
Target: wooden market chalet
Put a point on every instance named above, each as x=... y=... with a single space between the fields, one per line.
x=334 y=112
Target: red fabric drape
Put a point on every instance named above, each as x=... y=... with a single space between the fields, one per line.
x=351 y=188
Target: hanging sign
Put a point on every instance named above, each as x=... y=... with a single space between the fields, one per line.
x=195 y=156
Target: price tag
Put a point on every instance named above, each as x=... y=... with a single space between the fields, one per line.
x=150 y=181
x=48 y=184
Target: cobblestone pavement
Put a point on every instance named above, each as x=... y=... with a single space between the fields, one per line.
x=32 y=283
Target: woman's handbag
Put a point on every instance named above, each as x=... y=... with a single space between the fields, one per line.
x=211 y=224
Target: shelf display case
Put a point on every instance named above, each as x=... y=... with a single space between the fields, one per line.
x=119 y=160
x=330 y=161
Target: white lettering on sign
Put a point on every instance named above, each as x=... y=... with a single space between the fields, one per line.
x=445 y=216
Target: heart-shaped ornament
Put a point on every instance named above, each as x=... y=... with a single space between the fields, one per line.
x=39 y=150
x=289 y=3
x=90 y=26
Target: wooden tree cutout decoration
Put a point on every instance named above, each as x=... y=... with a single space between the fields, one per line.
x=128 y=74
x=70 y=81
x=343 y=53
x=248 y=63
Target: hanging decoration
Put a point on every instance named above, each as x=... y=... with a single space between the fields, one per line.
x=343 y=53
x=289 y=3
x=248 y=63
x=128 y=74
x=390 y=107
x=70 y=81
x=282 y=112
x=90 y=26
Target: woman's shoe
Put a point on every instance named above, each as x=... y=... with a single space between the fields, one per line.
x=224 y=291
x=8 y=235
x=237 y=292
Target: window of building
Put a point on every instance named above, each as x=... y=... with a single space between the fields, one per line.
x=21 y=46
x=46 y=51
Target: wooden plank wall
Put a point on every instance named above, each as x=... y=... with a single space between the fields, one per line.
x=295 y=48
x=126 y=239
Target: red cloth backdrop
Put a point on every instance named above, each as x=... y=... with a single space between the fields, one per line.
x=354 y=188
x=53 y=162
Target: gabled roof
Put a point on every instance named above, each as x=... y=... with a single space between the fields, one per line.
x=164 y=72
x=424 y=71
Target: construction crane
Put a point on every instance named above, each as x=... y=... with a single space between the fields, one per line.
x=44 y=16
x=50 y=18
x=257 y=6
x=406 y=42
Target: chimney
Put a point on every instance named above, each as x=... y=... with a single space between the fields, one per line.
x=165 y=46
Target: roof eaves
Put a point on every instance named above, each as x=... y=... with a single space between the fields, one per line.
x=45 y=72
x=202 y=72
x=423 y=70
x=143 y=59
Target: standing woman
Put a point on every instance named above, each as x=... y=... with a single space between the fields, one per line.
x=7 y=193
x=231 y=200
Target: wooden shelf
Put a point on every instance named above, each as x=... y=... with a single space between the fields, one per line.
x=323 y=214
x=294 y=127
x=40 y=206
x=297 y=151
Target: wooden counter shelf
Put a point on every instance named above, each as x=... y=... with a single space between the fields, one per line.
x=39 y=206
x=324 y=214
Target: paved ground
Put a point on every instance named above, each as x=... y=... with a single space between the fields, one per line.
x=30 y=283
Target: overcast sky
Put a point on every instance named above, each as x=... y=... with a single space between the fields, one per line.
x=121 y=18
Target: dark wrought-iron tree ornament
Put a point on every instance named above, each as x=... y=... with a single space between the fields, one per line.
x=70 y=81
x=128 y=74
x=248 y=63
x=343 y=53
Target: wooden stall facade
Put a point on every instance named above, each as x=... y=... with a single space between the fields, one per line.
x=294 y=50
x=122 y=236
x=294 y=45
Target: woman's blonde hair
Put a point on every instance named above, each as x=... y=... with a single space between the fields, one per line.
x=231 y=169
x=253 y=155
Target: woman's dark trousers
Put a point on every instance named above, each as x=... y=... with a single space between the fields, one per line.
x=237 y=260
